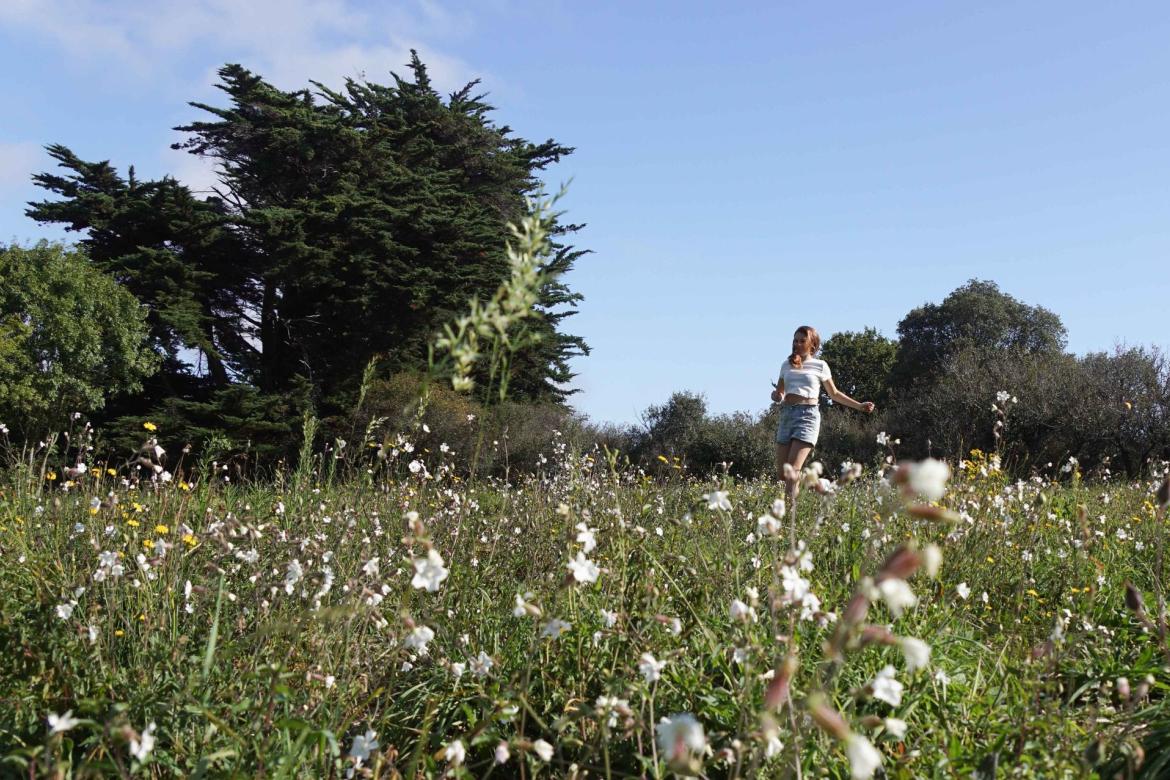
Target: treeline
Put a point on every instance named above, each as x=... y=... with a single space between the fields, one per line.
x=345 y=229
x=980 y=370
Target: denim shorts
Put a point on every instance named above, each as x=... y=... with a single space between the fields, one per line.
x=801 y=422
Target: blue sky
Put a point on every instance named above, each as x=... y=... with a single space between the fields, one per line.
x=741 y=171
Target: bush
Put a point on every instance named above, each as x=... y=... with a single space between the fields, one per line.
x=502 y=440
x=71 y=337
x=1107 y=411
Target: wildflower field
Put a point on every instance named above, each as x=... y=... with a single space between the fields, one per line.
x=400 y=621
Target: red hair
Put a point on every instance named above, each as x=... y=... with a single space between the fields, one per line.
x=814 y=344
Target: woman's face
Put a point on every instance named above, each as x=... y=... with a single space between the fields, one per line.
x=800 y=343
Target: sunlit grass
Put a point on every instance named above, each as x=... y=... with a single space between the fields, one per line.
x=265 y=630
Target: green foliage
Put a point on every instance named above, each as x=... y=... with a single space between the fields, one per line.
x=673 y=427
x=346 y=225
x=976 y=315
x=679 y=435
x=70 y=337
x=1107 y=411
x=861 y=363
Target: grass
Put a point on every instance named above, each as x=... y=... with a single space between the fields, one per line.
x=288 y=642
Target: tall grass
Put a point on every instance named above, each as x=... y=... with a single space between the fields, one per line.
x=262 y=631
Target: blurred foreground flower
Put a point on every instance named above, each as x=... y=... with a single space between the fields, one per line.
x=429 y=572
x=141 y=745
x=682 y=742
x=59 y=724
x=717 y=499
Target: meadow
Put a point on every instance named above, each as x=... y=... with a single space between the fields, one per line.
x=380 y=615
x=382 y=611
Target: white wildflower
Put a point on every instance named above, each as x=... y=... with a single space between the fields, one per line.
x=650 y=667
x=141 y=745
x=363 y=745
x=897 y=595
x=680 y=737
x=429 y=572
x=886 y=688
x=456 y=752
x=585 y=535
x=895 y=727
x=482 y=664
x=767 y=525
x=419 y=638
x=916 y=652
x=554 y=628
x=584 y=570
x=293 y=575
x=742 y=612
x=717 y=499
x=864 y=758
x=59 y=724
x=928 y=478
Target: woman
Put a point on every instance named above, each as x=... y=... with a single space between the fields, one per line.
x=799 y=391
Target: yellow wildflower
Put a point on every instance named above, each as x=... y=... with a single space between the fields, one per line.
x=150 y=426
x=189 y=540
x=161 y=529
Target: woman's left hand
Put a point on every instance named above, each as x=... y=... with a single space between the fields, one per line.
x=868 y=407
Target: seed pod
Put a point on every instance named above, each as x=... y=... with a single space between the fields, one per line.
x=877 y=635
x=902 y=563
x=829 y=720
x=855 y=610
x=1133 y=600
x=780 y=685
x=1123 y=690
x=935 y=513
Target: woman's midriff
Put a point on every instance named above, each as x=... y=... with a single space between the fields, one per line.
x=798 y=400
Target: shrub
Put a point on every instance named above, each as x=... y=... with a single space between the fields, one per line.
x=71 y=336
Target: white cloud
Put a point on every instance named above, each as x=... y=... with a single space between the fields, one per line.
x=286 y=41
x=18 y=162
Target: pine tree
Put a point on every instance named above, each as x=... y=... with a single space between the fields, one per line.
x=346 y=224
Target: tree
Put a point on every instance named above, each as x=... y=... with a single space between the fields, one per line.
x=976 y=315
x=70 y=337
x=1106 y=410
x=861 y=363
x=347 y=224
x=673 y=426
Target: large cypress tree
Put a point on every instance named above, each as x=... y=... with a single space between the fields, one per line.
x=347 y=224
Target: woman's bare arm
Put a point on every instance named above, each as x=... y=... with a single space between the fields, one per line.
x=778 y=390
x=840 y=398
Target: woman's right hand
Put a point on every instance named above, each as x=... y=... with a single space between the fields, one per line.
x=776 y=395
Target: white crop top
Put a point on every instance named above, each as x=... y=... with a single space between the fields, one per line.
x=806 y=380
